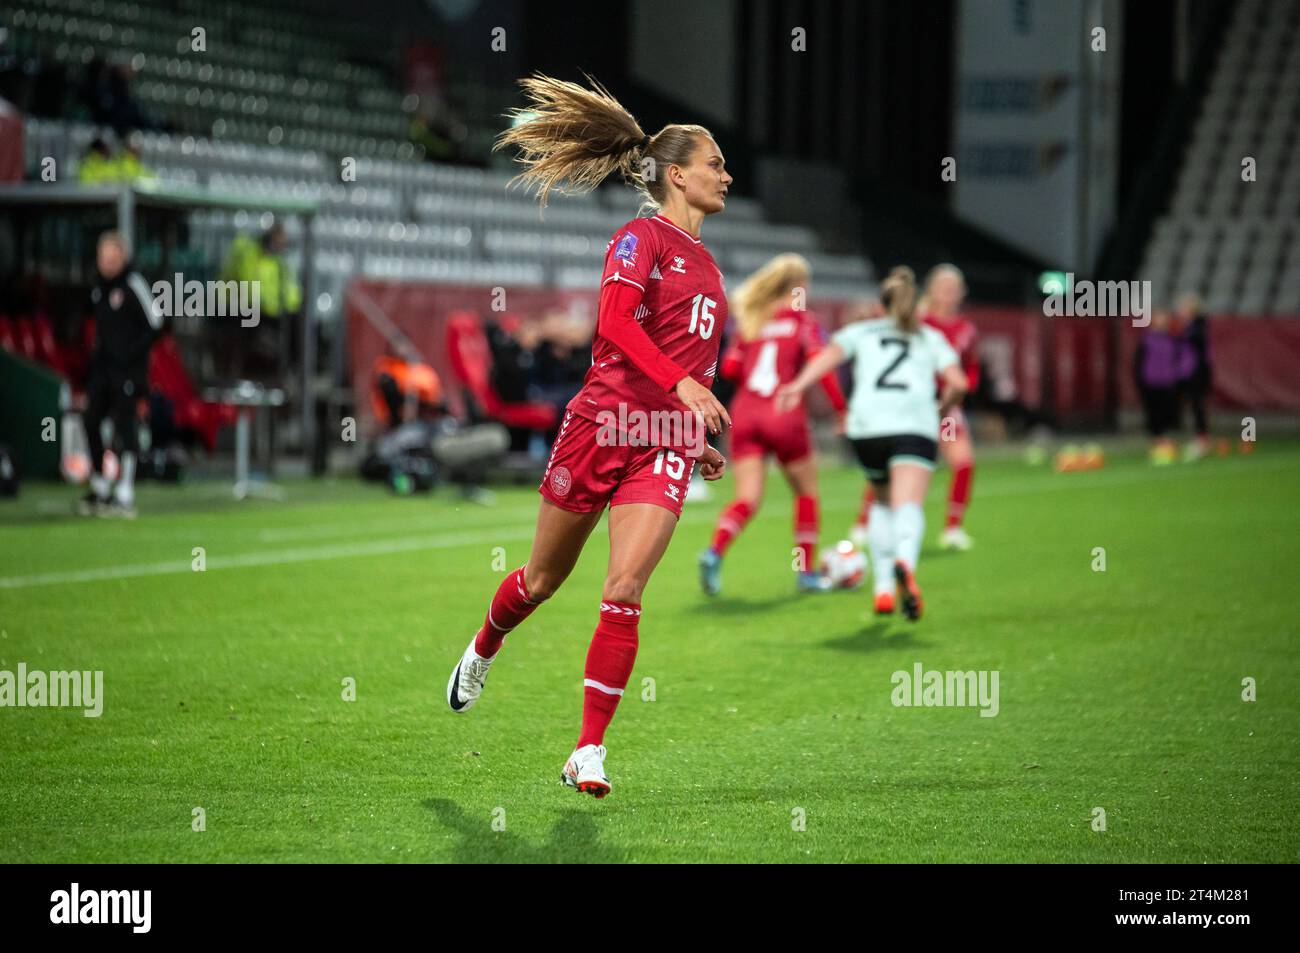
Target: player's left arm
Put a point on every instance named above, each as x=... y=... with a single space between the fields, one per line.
x=814 y=341
x=822 y=363
x=953 y=382
x=835 y=394
x=970 y=357
x=732 y=362
x=953 y=387
x=147 y=314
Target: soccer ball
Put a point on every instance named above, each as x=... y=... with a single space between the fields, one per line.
x=845 y=565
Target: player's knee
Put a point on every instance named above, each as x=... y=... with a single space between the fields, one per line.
x=541 y=584
x=624 y=587
x=961 y=453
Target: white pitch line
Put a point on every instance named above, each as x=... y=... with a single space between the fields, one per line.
x=406 y=544
x=424 y=520
x=272 y=557
x=279 y=557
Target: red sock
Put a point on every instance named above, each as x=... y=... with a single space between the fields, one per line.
x=730 y=523
x=805 y=530
x=510 y=606
x=609 y=666
x=959 y=493
x=864 y=514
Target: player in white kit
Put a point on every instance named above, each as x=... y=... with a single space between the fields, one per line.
x=894 y=426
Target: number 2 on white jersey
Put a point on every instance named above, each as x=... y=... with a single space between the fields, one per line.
x=702 y=314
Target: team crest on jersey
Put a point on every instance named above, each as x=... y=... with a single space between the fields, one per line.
x=655 y=273
x=115 y=298
x=561 y=481
x=626 y=249
x=679 y=265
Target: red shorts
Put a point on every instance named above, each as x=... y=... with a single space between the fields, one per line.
x=759 y=433
x=583 y=476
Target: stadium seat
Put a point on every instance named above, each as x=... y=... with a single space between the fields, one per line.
x=471 y=365
x=168 y=376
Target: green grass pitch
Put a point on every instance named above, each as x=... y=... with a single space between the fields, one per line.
x=1119 y=690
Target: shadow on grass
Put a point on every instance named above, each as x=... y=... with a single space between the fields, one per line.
x=573 y=838
x=728 y=605
x=876 y=637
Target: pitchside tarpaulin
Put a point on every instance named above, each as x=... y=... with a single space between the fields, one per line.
x=1255 y=357
x=420 y=312
x=1256 y=363
x=11 y=142
x=30 y=401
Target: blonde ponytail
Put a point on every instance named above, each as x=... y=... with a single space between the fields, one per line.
x=898 y=294
x=571 y=138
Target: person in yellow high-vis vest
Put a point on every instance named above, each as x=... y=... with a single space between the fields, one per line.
x=279 y=296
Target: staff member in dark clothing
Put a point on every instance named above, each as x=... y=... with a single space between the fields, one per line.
x=126 y=323
x=1196 y=387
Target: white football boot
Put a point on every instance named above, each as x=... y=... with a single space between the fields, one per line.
x=954 y=537
x=466 y=682
x=585 y=770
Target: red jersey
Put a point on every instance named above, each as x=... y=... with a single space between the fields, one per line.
x=961 y=335
x=676 y=308
x=774 y=358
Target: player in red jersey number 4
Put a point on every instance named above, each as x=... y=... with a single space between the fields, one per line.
x=655 y=352
x=776 y=337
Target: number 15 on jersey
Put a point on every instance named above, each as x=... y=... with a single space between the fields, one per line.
x=702 y=315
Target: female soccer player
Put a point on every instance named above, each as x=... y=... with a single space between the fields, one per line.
x=893 y=425
x=655 y=351
x=775 y=340
x=945 y=289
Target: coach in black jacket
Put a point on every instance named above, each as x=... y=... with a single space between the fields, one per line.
x=126 y=323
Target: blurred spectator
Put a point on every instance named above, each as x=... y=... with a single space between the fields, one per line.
x=267 y=347
x=106 y=95
x=1195 y=333
x=404 y=390
x=1160 y=365
x=99 y=165
x=562 y=356
x=513 y=343
x=442 y=133
x=542 y=360
x=126 y=323
x=130 y=167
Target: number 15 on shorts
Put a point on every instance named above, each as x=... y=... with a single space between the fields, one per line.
x=673 y=464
